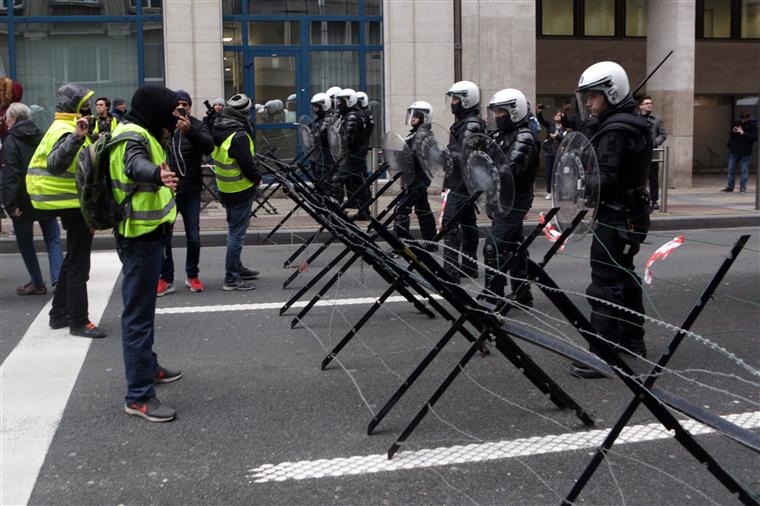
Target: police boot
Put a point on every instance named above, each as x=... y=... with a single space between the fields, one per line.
x=470 y=266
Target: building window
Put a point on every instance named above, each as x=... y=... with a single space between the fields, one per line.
x=153 y=52
x=274 y=33
x=334 y=68
x=232 y=33
x=334 y=33
x=716 y=19
x=635 y=18
x=599 y=18
x=233 y=73
x=278 y=7
x=17 y=4
x=750 y=19
x=374 y=33
x=557 y=17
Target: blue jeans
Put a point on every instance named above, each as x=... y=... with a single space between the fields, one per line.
x=238 y=219
x=141 y=267
x=23 y=228
x=743 y=161
x=189 y=206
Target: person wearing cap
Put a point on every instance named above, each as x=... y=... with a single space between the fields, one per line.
x=140 y=161
x=51 y=184
x=119 y=108
x=237 y=178
x=189 y=143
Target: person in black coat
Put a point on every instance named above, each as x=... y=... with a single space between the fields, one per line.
x=190 y=142
x=555 y=132
x=742 y=136
x=18 y=147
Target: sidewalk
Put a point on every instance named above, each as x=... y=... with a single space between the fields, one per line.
x=702 y=206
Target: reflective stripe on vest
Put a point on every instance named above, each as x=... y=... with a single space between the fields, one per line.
x=96 y=130
x=47 y=191
x=150 y=205
x=229 y=177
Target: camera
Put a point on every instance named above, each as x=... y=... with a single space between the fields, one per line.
x=182 y=111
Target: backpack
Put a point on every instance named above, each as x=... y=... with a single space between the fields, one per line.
x=96 y=202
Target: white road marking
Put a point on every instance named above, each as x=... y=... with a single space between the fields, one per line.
x=37 y=379
x=277 y=305
x=478 y=452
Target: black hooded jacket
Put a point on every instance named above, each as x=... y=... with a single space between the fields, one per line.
x=469 y=123
x=18 y=147
x=231 y=122
x=186 y=152
x=152 y=108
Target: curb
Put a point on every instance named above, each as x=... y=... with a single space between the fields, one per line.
x=296 y=236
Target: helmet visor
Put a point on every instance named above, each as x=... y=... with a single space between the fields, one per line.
x=591 y=103
x=421 y=114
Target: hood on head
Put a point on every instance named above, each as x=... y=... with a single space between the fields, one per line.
x=152 y=108
x=230 y=120
x=71 y=97
x=27 y=132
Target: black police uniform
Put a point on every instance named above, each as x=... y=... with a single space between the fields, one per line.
x=624 y=150
x=415 y=196
x=520 y=146
x=463 y=236
x=353 y=172
x=323 y=168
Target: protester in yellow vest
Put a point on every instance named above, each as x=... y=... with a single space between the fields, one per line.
x=52 y=189
x=103 y=121
x=237 y=178
x=139 y=172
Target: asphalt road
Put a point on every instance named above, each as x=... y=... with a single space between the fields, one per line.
x=253 y=397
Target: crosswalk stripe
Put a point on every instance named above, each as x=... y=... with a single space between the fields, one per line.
x=37 y=379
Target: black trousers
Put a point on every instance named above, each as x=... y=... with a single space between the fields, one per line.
x=352 y=177
x=415 y=198
x=462 y=237
x=502 y=243
x=613 y=279
x=654 y=182
x=70 y=295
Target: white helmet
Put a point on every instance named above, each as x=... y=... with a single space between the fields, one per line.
x=606 y=77
x=240 y=103
x=363 y=99
x=467 y=92
x=422 y=107
x=323 y=101
x=274 y=106
x=292 y=98
x=332 y=91
x=348 y=96
x=514 y=102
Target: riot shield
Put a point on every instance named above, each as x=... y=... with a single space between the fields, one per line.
x=575 y=184
x=430 y=148
x=486 y=171
x=309 y=138
x=398 y=157
x=336 y=137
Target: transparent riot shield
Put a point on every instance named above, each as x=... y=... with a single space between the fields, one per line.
x=430 y=148
x=575 y=184
x=309 y=139
x=486 y=171
x=398 y=157
x=336 y=137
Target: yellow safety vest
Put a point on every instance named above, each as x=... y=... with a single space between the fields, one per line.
x=96 y=130
x=151 y=204
x=46 y=190
x=229 y=177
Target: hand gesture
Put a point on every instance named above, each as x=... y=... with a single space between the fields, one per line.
x=168 y=178
x=82 y=127
x=183 y=124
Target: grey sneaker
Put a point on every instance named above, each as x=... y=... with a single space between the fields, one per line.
x=165 y=375
x=246 y=273
x=238 y=286
x=151 y=410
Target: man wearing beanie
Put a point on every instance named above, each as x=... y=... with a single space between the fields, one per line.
x=188 y=144
x=119 y=108
x=237 y=178
x=141 y=231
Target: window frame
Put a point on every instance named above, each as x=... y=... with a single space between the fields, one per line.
x=736 y=24
x=579 y=22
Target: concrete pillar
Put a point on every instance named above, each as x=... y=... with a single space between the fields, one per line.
x=671 y=25
x=419 y=57
x=193 y=55
x=499 y=46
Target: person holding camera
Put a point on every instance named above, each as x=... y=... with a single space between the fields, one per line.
x=52 y=190
x=741 y=138
x=189 y=143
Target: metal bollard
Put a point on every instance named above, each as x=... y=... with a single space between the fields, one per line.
x=373 y=164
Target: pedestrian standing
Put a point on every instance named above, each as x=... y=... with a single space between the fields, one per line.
x=742 y=136
x=659 y=135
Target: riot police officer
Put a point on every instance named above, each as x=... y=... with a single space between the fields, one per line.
x=322 y=170
x=364 y=107
x=352 y=171
x=464 y=99
x=418 y=116
x=623 y=148
x=516 y=139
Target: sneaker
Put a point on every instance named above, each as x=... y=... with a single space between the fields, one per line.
x=727 y=189
x=164 y=288
x=58 y=322
x=194 y=284
x=742 y=190
x=90 y=330
x=585 y=372
x=31 y=289
x=548 y=196
x=239 y=286
x=246 y=273
x=656 y=206
x=151 y=410
x=165 y=375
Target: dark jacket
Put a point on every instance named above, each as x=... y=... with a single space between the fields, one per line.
x=741 y=145
x=68 y=100
x=551 y=144
x=186 y=155
x=20 y=143
x=231 y=122
x=355 y=123
x=466 y=125
x=656 y=129
x=521 y=149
